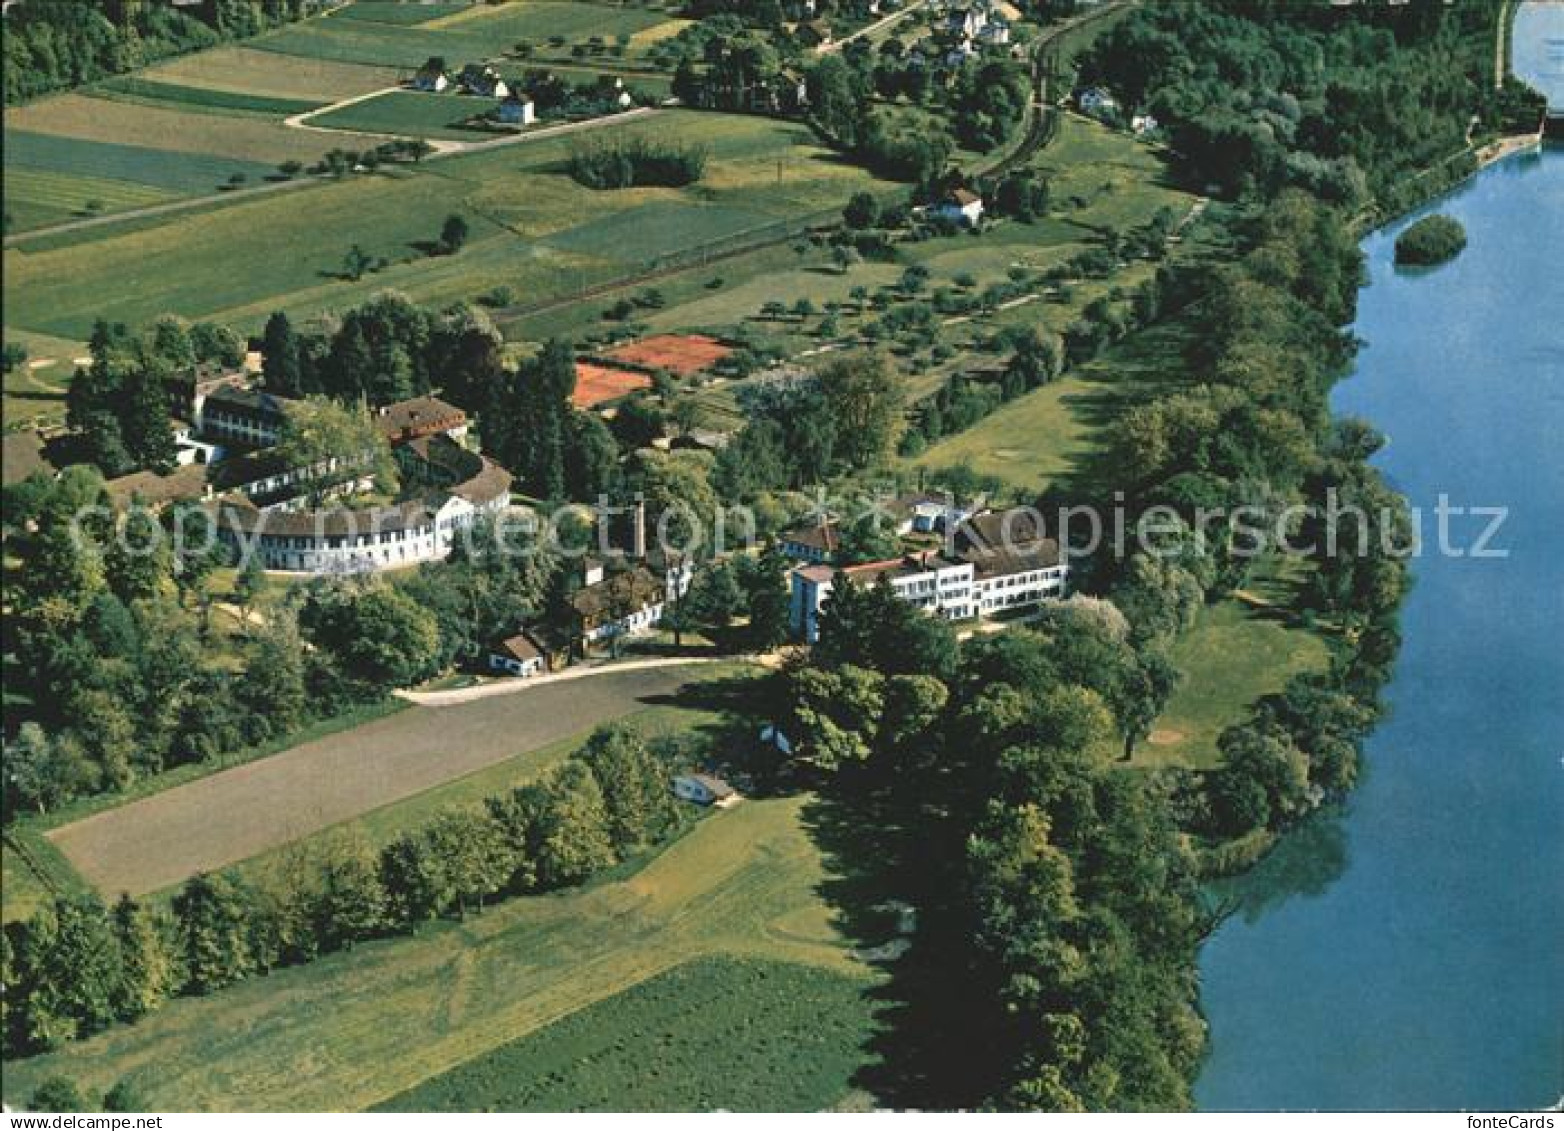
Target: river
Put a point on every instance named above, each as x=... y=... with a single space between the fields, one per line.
x=1408 y=951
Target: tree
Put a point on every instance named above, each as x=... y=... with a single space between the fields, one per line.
x=333 y=444
x=836 y=714
x=249 y=583
x=68 y=972
x=125 y=1096
x=57 y=1094
x=281 y=364
x=350 y=903
x=356 y=262
x=379 y=636
x=572 y=829
x=41 y=772
x=472 y=849
x=213 y=932
x=862 y=211
x=714 y=598
x=453 y=234
x=146 y=970
x=639 y=807
x=866 y=400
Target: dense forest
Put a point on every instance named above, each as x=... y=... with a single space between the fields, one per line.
x=1350 y=103
x=58 y=44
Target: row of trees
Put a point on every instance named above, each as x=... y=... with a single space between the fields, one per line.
x=77 y=967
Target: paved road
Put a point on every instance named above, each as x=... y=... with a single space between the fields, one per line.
x=238 y=813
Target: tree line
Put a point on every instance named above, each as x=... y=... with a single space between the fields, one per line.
x=78 y=966
x=58 y=44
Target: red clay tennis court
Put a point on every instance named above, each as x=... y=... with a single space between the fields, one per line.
x=598 y=383
x=684 y=354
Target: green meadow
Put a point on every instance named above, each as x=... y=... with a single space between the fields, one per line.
x=533 y=229
x=744 y=884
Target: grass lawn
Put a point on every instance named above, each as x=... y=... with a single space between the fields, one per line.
x=357 y=1029
x=527 y=218
x=716 y=1033
x=410 y=113
x=1236 y=653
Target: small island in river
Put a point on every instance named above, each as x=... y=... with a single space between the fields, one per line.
x=1429 y=242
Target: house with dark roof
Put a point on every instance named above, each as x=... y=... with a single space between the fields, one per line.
x=520 y=655
x=960 y=206
x=817 y=542
x=484 y=81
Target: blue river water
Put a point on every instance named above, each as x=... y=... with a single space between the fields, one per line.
x=1408 y=952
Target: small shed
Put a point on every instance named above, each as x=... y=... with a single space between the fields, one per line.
x=702 y=789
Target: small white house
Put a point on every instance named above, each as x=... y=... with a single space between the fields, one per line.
x=702 y=789
x=961 y=206
x=484 y=81
x=1095 y=100
x=518 y=655
x=1144 y=124
x=518 y=111
x=432 y=82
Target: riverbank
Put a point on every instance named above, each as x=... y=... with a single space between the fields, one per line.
x=1408 y=931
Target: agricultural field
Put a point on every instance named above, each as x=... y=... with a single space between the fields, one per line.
x=246 y=139
x=474 y=34
x=410 y=113
x=167 y=837
x=402 y=12
x=246 y=70
x=533 y=229
x=383 y=825
x=729 y=1033
x=151 y=92
x=744 y=883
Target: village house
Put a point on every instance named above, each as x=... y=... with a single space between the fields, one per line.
x=517 y=110
x=921 y=512
x=484 y=81
x=432 y=80
x=938 y=585
x=702 y=789
x=520 y=655
x=1096 y=101
x=625 y=602
x=818 y=542
x=960 y=206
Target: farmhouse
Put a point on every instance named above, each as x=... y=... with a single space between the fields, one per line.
x=921 y=512
x=702 y=789
x=960 y=206
x=520 y=655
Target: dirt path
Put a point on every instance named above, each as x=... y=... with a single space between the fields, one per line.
x=870 y=29
x=238 y=813
x=511 y=686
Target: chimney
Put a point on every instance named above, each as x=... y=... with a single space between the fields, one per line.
x=638 y=529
